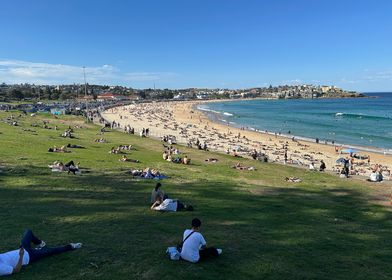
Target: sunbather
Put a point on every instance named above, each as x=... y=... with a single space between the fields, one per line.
x=11 y=262
x=293 y=179
x=74 y=146
x=57 y=166
x=238 y=166
x=124 y=158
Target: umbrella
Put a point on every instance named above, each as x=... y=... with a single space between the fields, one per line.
x=341 y=160
x=348 y=151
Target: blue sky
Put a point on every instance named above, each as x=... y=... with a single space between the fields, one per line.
x=198 y=43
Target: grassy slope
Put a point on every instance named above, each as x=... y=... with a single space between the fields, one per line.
x=323 y=228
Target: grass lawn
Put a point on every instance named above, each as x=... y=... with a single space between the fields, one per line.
x=321 y=228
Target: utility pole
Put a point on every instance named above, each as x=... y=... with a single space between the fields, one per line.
x=85 y=92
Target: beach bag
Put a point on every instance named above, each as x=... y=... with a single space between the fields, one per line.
x=173 y=253
x=179 y=246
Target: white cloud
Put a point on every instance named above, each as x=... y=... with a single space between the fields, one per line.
x=346 y=81
x=378 y=76
x=292 y=82
x=17 y=71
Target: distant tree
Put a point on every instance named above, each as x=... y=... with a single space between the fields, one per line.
x=15 y=94
x=93 y=94
x=63 y=96
x=142 y=94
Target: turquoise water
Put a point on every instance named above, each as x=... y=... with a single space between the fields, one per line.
x=365 y=122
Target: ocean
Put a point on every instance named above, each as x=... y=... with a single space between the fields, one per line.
x=359 y=122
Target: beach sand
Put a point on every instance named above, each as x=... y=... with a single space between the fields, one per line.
x=187 y=124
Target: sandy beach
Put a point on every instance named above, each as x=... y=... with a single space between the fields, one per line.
x=187 y=124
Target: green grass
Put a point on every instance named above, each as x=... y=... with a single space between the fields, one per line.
x=322 y=228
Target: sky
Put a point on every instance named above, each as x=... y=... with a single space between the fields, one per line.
x=198 y=43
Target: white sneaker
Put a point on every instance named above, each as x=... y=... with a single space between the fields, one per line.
x=76 y=245
x=219 y=251
x=41 y=245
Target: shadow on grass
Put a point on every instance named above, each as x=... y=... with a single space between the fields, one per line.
x=270 y=233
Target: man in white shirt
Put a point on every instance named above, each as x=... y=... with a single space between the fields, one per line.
x=11 y=262
x=194 y=247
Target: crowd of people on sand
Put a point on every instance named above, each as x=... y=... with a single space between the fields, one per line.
x=170 y=139
x=357 y=164
x=200 y=133
x=199 y=145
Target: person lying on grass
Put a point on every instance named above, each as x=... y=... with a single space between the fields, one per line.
x=100 y=140
x=69 y=145
x=62 y=149
x=170 y=205
x=57 y=166
x=238 y=166
x=147 y=173
x=11 y=262
x=194 y=246
x=124 y=158
x=115 y=151
x=211 y=160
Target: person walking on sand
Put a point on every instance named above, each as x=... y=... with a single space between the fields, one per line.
x=322 y=166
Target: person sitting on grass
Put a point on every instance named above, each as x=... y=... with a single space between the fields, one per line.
x=177 y=160
x=194 y=247
x=71 y=167
x=11 y=262
x=186 y=160
x=157 y=194
x=375 y=176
